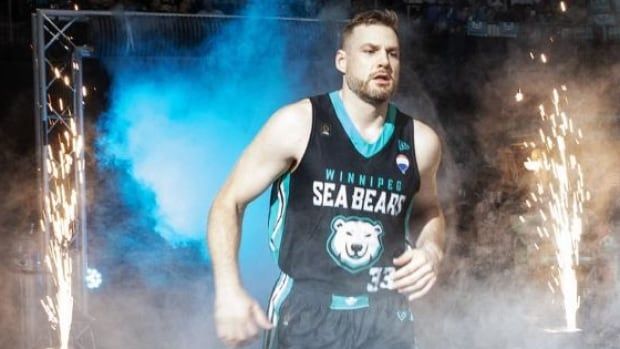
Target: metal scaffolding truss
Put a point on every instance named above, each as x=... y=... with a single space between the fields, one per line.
x=59 y=99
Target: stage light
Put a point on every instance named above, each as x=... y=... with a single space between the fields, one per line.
x=93 y=278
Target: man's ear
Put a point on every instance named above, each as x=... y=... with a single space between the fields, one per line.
x=341 y=61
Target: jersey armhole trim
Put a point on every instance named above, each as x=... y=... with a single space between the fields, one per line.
x=414 y=157
x=310 y=137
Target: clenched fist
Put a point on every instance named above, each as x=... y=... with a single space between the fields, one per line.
x=239 y=318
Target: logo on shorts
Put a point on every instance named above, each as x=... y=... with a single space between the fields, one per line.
x=355 y=243
x=402 y=162
x=404 y=315
x=351 y=301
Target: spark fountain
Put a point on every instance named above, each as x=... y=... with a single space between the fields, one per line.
x=558 y=198
x=59 y=217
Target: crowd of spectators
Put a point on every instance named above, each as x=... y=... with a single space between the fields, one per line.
x=436 y=16
x=453 y=16
x=302 y=8
x=447 y=12
x=171 y=6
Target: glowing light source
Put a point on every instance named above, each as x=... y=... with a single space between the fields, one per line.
x=532 y=165
x=543 y=58
x=559 y=171
x=519 y=96
x=562 y=6
x=93 y=278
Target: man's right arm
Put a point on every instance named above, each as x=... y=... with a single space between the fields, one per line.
x=276 y=149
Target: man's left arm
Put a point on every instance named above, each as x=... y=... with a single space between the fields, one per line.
x=417 y=268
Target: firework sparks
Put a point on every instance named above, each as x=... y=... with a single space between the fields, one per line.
x=560 y=194
x=519 y=96
x=59 y=219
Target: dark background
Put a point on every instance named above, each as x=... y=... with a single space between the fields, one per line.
x=466 y=86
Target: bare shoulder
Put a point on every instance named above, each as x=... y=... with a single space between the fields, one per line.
x=287 y=131
x=296 y=114
x=427 y=146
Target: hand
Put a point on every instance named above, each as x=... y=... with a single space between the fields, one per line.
x=416 y=271
x=239 y=318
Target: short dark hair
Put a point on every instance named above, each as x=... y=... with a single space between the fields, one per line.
x=388 y=18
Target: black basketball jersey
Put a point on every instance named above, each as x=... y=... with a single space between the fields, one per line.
x=339 y=218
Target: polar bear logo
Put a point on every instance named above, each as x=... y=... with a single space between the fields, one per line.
x=355 y=243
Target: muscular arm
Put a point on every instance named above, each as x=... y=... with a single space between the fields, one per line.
x=427 y=217
x=275 y=150
x=417 y=268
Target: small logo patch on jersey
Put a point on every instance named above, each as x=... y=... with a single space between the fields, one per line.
x=403 y=146
x=326 y=129
x=402 y=162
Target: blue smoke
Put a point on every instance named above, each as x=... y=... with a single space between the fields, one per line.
x=177 y=128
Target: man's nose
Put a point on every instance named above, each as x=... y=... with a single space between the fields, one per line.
x=383 y=59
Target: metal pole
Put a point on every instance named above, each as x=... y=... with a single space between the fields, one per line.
x=37 y=103
x=31 y=331
x=42 y=117
x=26 y=324
x=81 y=243
x=42 y=139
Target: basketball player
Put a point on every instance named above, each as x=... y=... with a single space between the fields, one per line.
x=344 y=168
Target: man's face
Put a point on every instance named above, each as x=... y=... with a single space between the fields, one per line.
x=372 y=62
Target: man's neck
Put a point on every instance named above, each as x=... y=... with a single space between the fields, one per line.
x=367 y=118
x=363 y=114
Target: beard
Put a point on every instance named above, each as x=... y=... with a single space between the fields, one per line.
x=374 y=95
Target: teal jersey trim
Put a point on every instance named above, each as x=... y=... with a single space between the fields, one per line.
x=349 y=303
x=361 y=145
x=283 y=288
x=280 y=293
x=277 y=214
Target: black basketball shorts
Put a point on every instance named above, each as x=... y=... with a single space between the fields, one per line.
x=307 y=318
